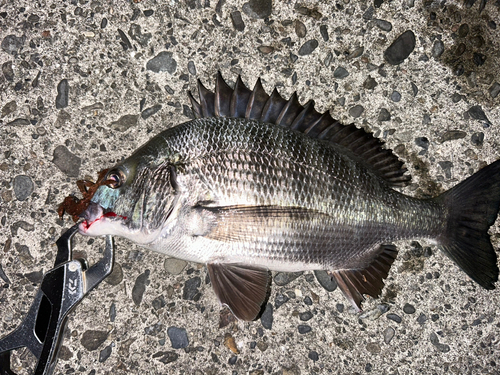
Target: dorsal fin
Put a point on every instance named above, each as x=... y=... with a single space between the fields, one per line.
x=241 y=102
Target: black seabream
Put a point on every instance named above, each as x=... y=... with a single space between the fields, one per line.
x=259 y=183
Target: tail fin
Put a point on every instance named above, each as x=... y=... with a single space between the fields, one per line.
x=473 y=207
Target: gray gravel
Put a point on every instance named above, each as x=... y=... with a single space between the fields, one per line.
x=85 y=83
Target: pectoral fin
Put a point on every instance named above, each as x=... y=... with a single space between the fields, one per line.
x=241 y=287
x=369 y=280
x=248 y=223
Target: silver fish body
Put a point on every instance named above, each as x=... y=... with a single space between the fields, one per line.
x=295 y=203
x=245 y=196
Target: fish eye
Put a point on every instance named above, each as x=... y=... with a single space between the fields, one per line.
x=115 y=178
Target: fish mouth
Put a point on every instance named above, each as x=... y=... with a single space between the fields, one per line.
x=94 y=219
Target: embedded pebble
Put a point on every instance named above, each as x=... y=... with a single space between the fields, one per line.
x=258 y=8
x=23 y=225
x=178 y=337
x=112 y=312
x=280 y=300
x=325 y=280
x=158 y=303
x=478 y=58
x=19 y=121
x=340 y=73
x=140 y=287
x=9 y=108
x=266 y=318
x=116 y=275
x=124 y=123
x=370 y=83
x=92 y=339
x=148 y=112
x=443 y=348
x=237 y=21
x=166 y=357
x=125 y=42
x=300 y=29
x=66 y=161
x=456 y=97
x=422 y=142
x=395 y=96
x=373 y=348
x=190 y=291
x=477 y=113
x=162 y=62
x=328 y=59
x=12 y=44
x=384 y=115
x=437 y=48
x=357 y=52
x=35 y=277
x=356 y=111
x=93 y=107
x=304 y=328
x=394 y=317
x=105 y=353
x=62 y=119
x=368 y=14
x=477 y=139
x=494 y=90
x=313 y=355
x=3 y=276
x=422 y=318
x=452 y=135
x=389 y=333
x=414 y=89
x=174 y=266
x=305 y=316
x=265 y=49
x=23 y=187
x=62 y=98
x=374 y=313
x=401 y=48
x=136 y=34
x=383 y=24
x=230 y=343
x=191 y=67
x=7 y=71
x=308 y=47
x=153 y=330
x=24 y=254
x=283 y=278
x=323 y=30
x=409 y=309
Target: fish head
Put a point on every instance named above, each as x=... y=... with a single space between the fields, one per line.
x=135 y=202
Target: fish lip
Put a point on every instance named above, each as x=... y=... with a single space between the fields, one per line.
x=93 y=214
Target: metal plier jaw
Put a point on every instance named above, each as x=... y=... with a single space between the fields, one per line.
x=62 y=288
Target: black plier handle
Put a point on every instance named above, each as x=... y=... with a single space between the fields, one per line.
x=62 y=288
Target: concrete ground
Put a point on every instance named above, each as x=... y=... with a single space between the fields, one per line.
x=84 y=83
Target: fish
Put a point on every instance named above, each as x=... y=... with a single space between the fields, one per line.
x=257 y=183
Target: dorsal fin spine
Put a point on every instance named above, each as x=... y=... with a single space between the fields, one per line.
x=256 y=104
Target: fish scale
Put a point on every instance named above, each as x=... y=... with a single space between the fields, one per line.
x=354 y=203
x=303 y=192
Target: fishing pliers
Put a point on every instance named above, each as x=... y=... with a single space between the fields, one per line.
x=62 y=288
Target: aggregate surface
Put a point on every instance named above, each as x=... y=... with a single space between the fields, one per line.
x=83 y=83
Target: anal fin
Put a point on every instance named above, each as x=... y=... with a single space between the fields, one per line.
x=240 y=287
x=354 y=283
